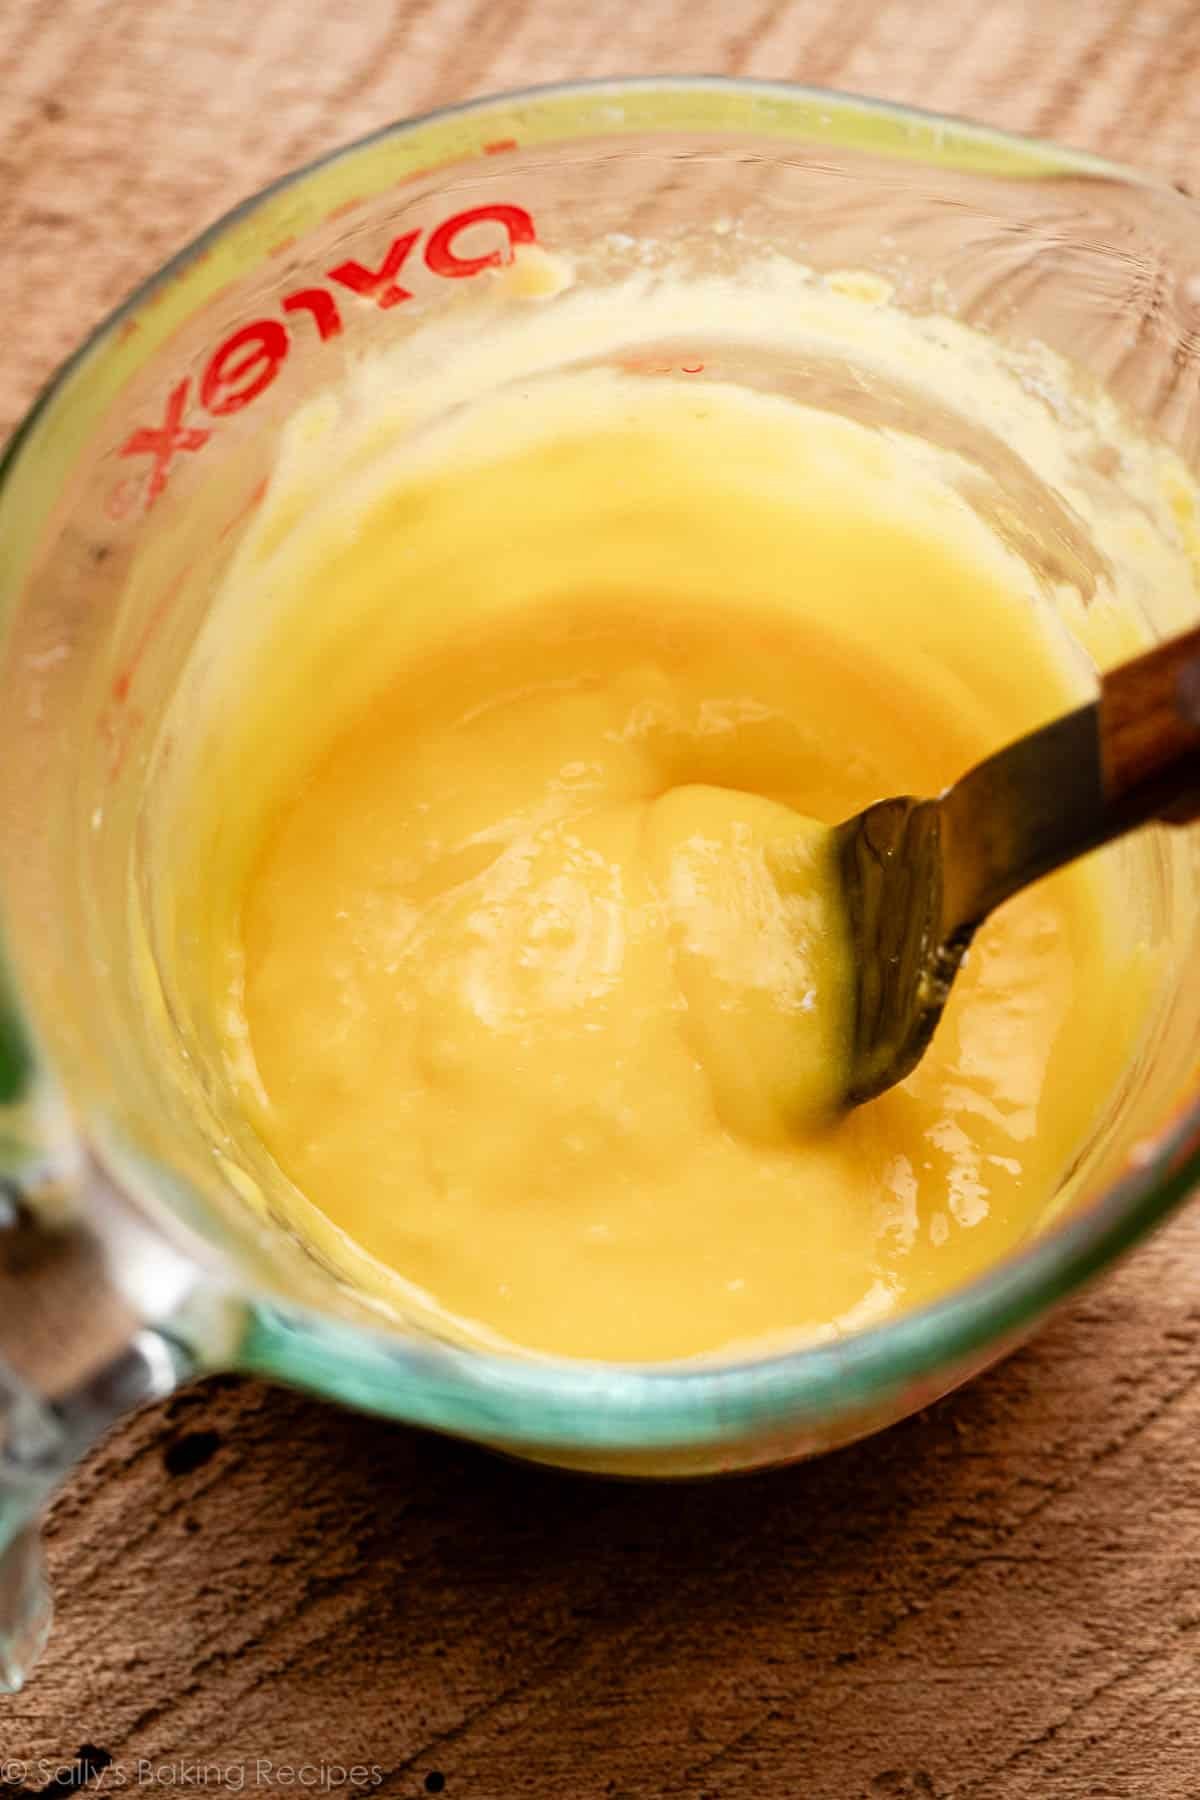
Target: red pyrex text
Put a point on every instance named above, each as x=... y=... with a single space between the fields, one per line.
x=245 y=364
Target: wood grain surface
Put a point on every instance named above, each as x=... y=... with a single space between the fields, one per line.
x=998 y=1601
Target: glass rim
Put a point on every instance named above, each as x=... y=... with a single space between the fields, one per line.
x=1060 y=157
x=629 y=1404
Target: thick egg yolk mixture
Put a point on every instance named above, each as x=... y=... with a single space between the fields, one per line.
x=516 y=938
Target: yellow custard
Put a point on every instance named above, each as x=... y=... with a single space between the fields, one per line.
x=509 y=919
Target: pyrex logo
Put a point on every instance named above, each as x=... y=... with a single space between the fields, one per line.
x=246 y=363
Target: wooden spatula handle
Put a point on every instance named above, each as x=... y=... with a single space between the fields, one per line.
x=1150 y=732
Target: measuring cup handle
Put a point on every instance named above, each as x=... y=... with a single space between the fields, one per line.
x=39 y=1441
x=98 y=1313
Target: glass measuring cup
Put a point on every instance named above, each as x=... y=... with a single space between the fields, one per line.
x=133 y=1251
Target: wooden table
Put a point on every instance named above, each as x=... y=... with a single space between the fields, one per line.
x=998 y=1601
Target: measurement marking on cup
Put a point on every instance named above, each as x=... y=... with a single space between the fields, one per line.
x=247 y=362
x=243 y=512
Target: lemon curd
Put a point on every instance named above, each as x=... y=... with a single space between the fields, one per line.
x=509 y=922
